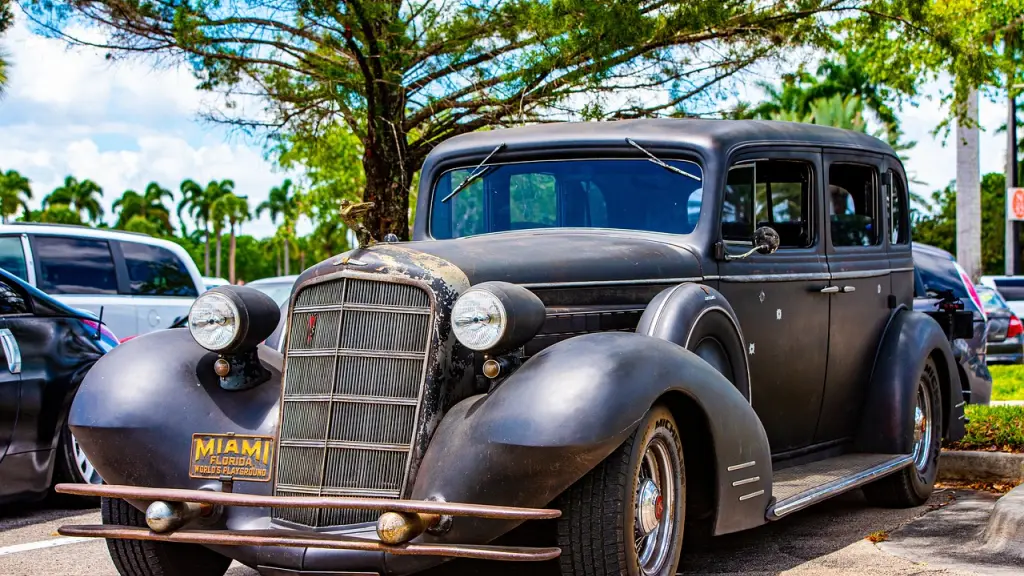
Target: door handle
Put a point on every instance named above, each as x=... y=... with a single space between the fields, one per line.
x=848 y=289
x=11 y=350
x=830 y=290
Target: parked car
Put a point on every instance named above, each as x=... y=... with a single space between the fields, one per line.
x=585 y=307
x=140 y=283
x=1005 y=344
x=47 y=348
x=279 y=288
x=1011 y=288
x=935 y=271
x=210 y=282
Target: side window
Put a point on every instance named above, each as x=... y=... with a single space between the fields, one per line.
x=70 y=265
x=156 y=271
x=853 y=214
x=11 y=300
x=774 y=193
x=898 y=213
x=12 y=256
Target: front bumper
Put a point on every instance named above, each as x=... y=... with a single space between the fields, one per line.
x=308 y=539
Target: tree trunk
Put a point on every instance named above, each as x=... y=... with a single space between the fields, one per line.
x=217 y=266
x=302 y=260
x=231 y=256
x=389 y=169
x=277 y=262
x=206 y=254
x=287 y=257
x=968 y=192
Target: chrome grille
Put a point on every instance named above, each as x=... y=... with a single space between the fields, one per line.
x=353 y=377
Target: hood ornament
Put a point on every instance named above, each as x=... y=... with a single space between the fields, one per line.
x=348 y=261
x=352 y=214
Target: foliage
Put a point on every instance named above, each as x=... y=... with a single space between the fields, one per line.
x=15 y=192
x=56 y=214
x=6 y=20
x=233 y=210
x=148 y=206
x=1007 y=382
x=938 y=227
x=992 y=429
x=402 y=75
x=79 y=197
x=282 y=203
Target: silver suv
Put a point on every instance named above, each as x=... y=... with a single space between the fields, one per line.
x=141 y=283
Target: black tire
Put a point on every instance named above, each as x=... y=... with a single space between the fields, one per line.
x=599 y=513
x=142 y=558
x=66 y=469
x=913 y=485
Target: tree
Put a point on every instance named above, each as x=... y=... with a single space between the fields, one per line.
x=78 y=196
x=402 y=75
x=233 y=210
x=214 y=191
x=6 y=20
x=938 y=227
x=282 y=203
x=149 y=206
x=196 y=203
x=15 y=192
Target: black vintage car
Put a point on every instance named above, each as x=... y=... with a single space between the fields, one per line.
x=46 y=349
x=609 y=327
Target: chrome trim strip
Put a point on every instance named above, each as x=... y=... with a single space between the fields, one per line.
x=961 y=405
x=351 y=398
x=908 y=269
x=750 y=480
x=643 y=281
x=661 y=307
x=822 y=276
x=11 y=350
x=826 y=491
x=859 y=274
x=344 y=444
x=739 y=332
x=741 y=466
x=30 y=260
x=595 y=311
x=363 y=307
x=373 y=493
x=751 y=495
x=360 y=353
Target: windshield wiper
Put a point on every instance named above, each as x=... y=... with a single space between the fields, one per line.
x=479 y=171
x=659 y=162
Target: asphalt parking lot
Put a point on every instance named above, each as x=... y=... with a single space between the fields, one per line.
x=826 y=540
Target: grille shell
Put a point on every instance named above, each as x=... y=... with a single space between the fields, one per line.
x=355 y=364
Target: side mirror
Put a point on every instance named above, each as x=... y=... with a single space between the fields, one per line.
x=766 y=240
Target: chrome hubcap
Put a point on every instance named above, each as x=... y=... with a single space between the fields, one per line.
x=922 y=427
x=85 y=467
x=655 y=504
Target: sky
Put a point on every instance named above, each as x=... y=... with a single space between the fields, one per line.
x=124 y=124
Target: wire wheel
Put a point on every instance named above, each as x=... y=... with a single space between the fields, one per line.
x=923 y=422
x=655 y=507
x=85 y=468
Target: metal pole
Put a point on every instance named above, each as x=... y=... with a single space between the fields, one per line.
x=1012 y=264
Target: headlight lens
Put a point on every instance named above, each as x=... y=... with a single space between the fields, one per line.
x=478 y=320
x=213 y=321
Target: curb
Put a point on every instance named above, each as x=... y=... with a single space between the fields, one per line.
x=1004 y=533
x=966 y=466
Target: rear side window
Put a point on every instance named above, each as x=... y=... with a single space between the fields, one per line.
x=156 y=271
x=12 y=256
x=74 y=265
x=854 y=209
x=1011 y=288
x=939 y=274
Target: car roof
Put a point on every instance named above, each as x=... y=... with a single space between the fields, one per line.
x=703 y=135
x=276 y=280
x=931 y=251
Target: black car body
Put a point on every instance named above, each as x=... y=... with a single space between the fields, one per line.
x=935 y=271
x=48 y=348
x=584 y=308
x=1005 y=342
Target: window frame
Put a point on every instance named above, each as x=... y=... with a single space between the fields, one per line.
x=120 y=270
x=898 y=176
x=121 y=267
x=878 y=220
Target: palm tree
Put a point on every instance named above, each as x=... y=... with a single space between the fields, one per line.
x=201 y=208
x=4 y=67
x=233 y=210
x=148 y=206
x=79 y=197
x=193 y=202
x=282 y=203
x=15 y=192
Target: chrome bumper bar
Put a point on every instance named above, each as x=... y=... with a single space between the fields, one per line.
x=294 y=538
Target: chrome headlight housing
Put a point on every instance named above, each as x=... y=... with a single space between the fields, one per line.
x=227 y=319
x=496 y=317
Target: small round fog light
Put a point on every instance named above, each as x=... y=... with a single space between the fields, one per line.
x=222 y=367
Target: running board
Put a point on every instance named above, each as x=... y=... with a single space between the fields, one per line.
x=801 y=486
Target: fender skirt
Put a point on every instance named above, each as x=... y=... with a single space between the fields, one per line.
x=567 y=409
x=910 y=339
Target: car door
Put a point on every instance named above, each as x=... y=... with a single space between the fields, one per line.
x=10 y=388
x=778 y=297
x=82 y=273
x=858 y=262
x=160 y=285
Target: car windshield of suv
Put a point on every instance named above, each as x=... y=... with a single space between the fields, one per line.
x=624 y=194
x=278 y=291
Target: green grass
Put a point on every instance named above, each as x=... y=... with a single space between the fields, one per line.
x=993 y=429
x=1007 y=382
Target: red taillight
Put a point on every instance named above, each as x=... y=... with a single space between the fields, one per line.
x=1016 y=328
x=126 y=338
x=970 y=290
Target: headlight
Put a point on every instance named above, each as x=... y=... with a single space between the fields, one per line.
x=232 y=318
x=496 y=317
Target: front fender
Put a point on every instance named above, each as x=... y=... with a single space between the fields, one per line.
x=137 y=408
x=567 y=409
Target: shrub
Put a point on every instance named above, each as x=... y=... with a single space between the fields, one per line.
x=993 y=429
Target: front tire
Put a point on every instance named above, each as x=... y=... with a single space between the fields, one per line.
x=143 y=558
x=913 y=485
x=626 y=516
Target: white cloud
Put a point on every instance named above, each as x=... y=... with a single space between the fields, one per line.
x=123 y=124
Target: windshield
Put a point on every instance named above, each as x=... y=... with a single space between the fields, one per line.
x=278 y=291
x=626 y=194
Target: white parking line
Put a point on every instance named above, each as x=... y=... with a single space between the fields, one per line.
x=6 y=550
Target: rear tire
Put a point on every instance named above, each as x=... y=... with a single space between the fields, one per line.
x=913 y=485
x=143 y=558
x=626 y=516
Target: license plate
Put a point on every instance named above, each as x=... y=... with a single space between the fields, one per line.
x=231 y=457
